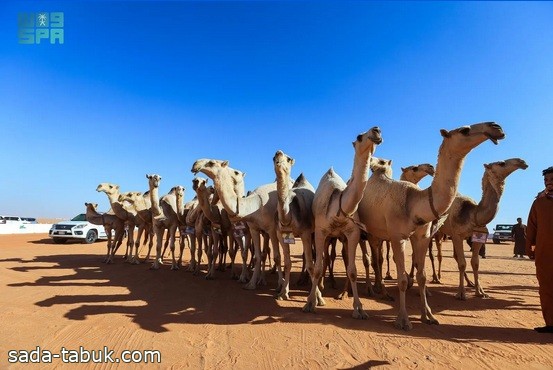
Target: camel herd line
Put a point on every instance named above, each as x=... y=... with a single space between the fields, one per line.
x=369 y=207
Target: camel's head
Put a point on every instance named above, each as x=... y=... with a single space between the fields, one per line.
x=153 y=180
x=219 y=171
x=91 y=206
x=502 y=169
x=416 y=173
x=178 y=191
x=108 y=188
x=381 y=166
x=368 y=141
x=465 y=138
x=130 y=197
x=199 y=184
x=283 y=163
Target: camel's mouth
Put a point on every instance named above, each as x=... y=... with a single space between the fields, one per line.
x=494 y=138
x=377 y=140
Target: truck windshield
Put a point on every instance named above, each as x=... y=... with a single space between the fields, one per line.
x=504 y=227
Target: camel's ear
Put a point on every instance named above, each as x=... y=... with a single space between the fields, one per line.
x=224 y=164
x=403 y=169
x=147 y=176
x=292 y=161
x=487 y=165
x=243 y=174
x=390 y=162
x=138 y=193
x=445 y=133
x=117 y=187
x=95 y=205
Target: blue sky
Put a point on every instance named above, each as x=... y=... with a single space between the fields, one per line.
x=149 y=87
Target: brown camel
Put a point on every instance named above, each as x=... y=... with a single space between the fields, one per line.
x=110 y=223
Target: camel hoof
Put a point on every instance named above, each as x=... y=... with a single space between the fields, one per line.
x=403 y=324
x=341 y=296
x=321 y=301
x=175 y=267
x=388 y=277
x=282 y=297
x=309 y=307
x=436 y=281
x=360 y=314
x=154 y=267
x=251 y=285
x=430 y=321
x=461 y=296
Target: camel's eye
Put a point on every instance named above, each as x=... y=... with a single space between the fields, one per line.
x=465 y=131
x=502 y=164
x=289 y=159
x=415 y=169
x=359 y=137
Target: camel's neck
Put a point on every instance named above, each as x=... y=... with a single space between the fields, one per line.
x=410 y=178
x=117 y=207
x=284 y=198
x=154 y=198
x=93 y=216
x=238 y=208
x=443 y=189
x=352 y=194
x=487 y=208
x=207 y=208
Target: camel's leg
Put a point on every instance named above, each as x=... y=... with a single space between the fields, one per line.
x=277 y=258
x=235 y=246
x=108 y=230
x=130 y=242
x=244 y=249
x=388 y=275
x=193 y=262
x=435 y=278
x=212 y=254
x=199 y=248
x=352 y=240
x=135 y=260
x=440 y=256
x=285 y=288
x=345 y=258
x=316 y=272
x=158 y=232
x=366 y=263
x=330 y=259
x=183 y=237
x=475 y=263
x=402 y=320
x=419 y=243
x=223 y=249
x=461 y=264
x=256 y=238
x=172 y=237
x=151 y=243
x=377 y=261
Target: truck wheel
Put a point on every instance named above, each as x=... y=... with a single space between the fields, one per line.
x=91 y=237
x=59 y=240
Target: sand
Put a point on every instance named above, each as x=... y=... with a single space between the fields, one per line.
x=55 y=296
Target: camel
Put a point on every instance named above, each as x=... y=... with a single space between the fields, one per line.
x=110 y=222
x=112 y=192
x=196 y=223
x=467 y=217
x=164 y=216
x=140 y=208
x=258 y=209
x=334 y=210
x=294 y=213
x=220 y=230
x=413 y=174
x=398 y=210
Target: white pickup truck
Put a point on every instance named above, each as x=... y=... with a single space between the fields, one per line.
x=77 y=228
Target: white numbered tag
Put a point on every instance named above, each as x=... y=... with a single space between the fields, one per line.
x=479 y=237
x=288 y=238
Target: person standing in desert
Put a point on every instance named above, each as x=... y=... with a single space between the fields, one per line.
x=519 y=235
x=539 y=244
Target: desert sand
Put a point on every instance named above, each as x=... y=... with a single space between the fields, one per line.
x=55 y=296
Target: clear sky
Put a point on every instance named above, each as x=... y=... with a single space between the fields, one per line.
x=149 y=87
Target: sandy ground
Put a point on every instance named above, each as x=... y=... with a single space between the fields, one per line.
x=55 y=296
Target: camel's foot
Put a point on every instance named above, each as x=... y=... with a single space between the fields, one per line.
x=175 y=266
x=320 y=301
x=135 y=261
x=402 y=322
x=155 y=266
x=210 y=276
x=370 y=290
x=435 y=280
x=388 y=277
x=470 y=284
x=273 y=270
x=283 y=295
x=429 y=319
x=109 y=261
x=359 y=313
x=462 y=296
x=191 y=266
x=387 y=297
x=251 y=285
x=309 y=307
x=480 y=292
x=342 y=295
x=304 y=279
x=378 y=287
x=262 y=281
x=243 y=277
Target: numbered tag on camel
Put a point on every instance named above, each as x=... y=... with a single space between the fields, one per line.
x=190 y=230
x=479 y=237
x=288 y=238
x=238 y=233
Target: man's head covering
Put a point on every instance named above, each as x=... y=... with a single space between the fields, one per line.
x=547 y=171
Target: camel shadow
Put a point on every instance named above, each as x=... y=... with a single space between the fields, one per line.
x=158 y=299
